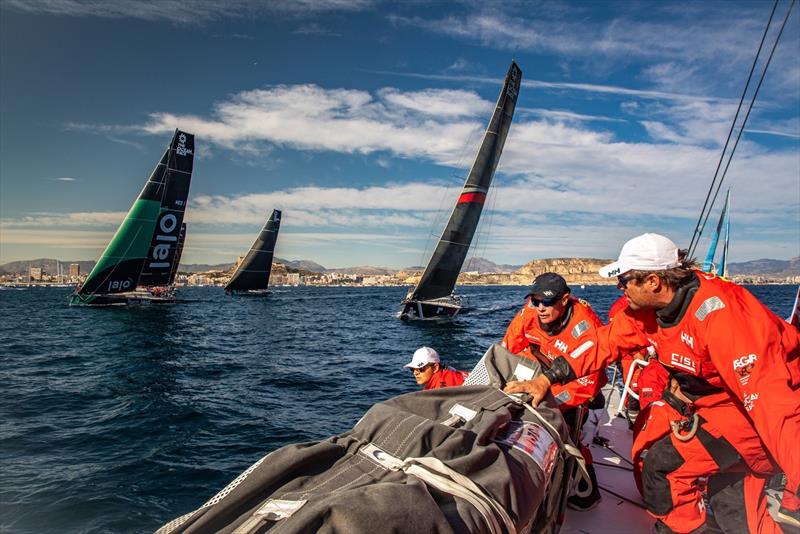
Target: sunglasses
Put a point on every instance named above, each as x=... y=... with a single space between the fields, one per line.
x=419 y=369
x=623 y=279
x=545 y=302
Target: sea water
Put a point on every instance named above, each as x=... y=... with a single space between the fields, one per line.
x=121 y=419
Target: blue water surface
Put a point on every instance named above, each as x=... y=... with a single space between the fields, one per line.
x=121 y=419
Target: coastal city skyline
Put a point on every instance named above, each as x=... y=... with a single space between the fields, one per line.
x=360 y=119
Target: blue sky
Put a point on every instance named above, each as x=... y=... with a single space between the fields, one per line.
x=360 y=119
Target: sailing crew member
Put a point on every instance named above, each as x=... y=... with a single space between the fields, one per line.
x=552 y=323
x=431 y=373
x=735 y=367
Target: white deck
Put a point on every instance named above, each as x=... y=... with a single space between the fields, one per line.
x=613 y=514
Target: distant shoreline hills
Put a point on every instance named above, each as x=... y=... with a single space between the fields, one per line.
x=475 y=271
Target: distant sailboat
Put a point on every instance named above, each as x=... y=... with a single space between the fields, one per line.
x=144 y=251
x=252 y=275
x=433 y=296
x=724 y=225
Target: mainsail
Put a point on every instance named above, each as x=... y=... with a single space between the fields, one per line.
x=253 y=273
x=144 y=248
x=443 y=269
x=722 y=225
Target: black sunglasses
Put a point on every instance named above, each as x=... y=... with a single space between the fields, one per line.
x=623 y=279
x=420 y=369
x=545 y=302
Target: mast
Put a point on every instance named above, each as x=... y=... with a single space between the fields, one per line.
x=143 y=248
x=253 y=273
x=445 y=264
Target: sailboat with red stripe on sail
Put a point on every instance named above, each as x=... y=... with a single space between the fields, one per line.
x=433 y=296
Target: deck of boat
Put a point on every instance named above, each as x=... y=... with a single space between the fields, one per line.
x=621 y=509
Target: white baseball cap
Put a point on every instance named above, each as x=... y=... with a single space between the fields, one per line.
x=647 y=252
x=422 y=357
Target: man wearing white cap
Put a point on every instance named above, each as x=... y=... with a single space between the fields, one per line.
x=429 y=371
x=734 y=376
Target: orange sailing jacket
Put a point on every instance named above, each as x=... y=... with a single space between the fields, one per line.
x=526 y=337
x=732 y=342
x=446 y=377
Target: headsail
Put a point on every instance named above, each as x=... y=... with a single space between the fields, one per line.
x=708 y=264
x=144 y=248
x=443 y=269
x=253 y=272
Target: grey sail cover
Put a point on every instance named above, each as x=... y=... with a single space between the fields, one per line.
x=442 y=270
x=253 y=272
x=461 y=459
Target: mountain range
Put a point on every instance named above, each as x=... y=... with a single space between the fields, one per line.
x=761 y=267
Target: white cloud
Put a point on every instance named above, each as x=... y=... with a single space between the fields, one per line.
x=569 y=86
x=438 y=102
x=179 y=12
x=562 y=115
x=308 y=117
x=78 y=219
x=694 y=49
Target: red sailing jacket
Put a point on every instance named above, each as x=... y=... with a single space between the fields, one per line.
x=733 y=342
x=446 y=377
x=574 y=341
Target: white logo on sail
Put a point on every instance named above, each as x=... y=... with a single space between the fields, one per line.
x=167 y=224
x=181 y=149
x=115 y=285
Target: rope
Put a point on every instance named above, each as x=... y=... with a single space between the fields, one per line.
x=704 y=215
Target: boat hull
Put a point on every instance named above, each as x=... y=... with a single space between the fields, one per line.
x=120 y=299
x=247 y=292
x=444 y=308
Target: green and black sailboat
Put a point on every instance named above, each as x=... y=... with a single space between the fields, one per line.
x=144 y=251
x=252 y=275
x=433 y=296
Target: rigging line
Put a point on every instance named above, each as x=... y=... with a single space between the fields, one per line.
x=698 y=230
x=750 y=107
x=492 y=208
x=624 y=498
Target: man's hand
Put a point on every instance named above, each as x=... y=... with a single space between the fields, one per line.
x=536 y=388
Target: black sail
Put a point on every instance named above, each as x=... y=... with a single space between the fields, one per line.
x=178 y=253
x=440 y=275
x=163 y=254
x=253 y=272
x=143 y=248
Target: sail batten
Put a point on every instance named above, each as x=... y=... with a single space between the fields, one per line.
x=439 y=278
x=253 y=272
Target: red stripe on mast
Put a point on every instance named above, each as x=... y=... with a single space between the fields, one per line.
x=480 y=198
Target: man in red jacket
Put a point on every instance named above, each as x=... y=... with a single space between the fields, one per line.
x=429 y=371
x=734 y=370
x=553 y=323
